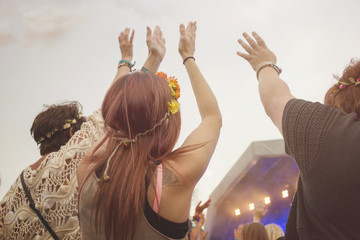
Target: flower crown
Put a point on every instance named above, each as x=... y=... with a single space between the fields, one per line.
x=342 y=84
x=173 y=106
x=66 y=125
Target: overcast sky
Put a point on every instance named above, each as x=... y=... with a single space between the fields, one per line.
x=52 y=51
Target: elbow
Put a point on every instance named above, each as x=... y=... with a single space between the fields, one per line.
x=214 y=120
x=267 y=109
x=218 y=120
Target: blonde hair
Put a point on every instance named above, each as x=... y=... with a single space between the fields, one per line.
x=274 y=231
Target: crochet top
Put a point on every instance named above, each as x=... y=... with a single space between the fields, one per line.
x=53 y=186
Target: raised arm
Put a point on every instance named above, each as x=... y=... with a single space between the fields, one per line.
x=274 y=92
x=207 y=133
x=126 y=49
x=156 y=49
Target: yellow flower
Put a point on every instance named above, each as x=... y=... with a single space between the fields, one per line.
x=173 y=106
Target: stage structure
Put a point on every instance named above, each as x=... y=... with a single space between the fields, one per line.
x=264 y=174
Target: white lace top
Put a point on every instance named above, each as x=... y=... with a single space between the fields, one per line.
x=53 y=186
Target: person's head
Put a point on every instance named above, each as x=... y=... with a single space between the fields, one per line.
x=345 y=94
x=138 y=104
x=274 y=231
x=254 y=231
x=141 y=114
x=54 y=126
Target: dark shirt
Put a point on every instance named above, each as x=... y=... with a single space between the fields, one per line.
x=325 y=144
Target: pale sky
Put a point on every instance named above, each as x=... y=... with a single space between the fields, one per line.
x=52 y=51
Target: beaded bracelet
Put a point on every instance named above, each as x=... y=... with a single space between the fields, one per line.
x=145 y=69
x=196 y=218
x=126 y=63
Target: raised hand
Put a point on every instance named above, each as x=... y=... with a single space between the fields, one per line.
x=257 y=51
x=202 y=234
x=126 y=44
x=238 y=231
x=259 y=212
x=156 y=43
x=200 y=208
x=187 y=40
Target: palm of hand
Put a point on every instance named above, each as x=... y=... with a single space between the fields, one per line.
x=187 y=40
x=238 y=232
x=126 y=43
x=156 y=42
x=157 y=47
x=126 y=49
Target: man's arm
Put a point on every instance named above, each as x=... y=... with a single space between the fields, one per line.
x=274 y=92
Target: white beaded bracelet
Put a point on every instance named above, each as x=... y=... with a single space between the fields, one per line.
x=267 y=64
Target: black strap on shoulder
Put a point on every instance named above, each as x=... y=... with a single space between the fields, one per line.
x=32 y=206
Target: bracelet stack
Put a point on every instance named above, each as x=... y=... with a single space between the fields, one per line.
x=196 y=218
x=267 y=64
x=126 y=63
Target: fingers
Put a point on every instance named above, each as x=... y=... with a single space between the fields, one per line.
x=148 y=32
x=159 y=34
x=204 y=235
x=182 y=29
x=157 y=31
x=124 y=35
x=251 y=41
x=243 y=55
x=207 y=203
x=191 y=27
x=258 y=39
x=245 y=46
x=132 y=36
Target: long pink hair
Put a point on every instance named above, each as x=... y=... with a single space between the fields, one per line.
x=134 y=104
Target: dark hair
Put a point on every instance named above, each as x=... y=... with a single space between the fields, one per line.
x=54 y=117
x=254 y=231
x=348 y=99
x=134 y=104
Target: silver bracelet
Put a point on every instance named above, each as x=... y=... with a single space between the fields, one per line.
x=267 y=64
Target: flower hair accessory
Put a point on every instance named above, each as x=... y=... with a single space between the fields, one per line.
x=173 y=108
x=66 y=125
x=343 y=85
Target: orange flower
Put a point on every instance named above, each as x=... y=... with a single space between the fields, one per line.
x=175 y=91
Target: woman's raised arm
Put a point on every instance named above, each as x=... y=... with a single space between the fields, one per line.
x=207 y=133
x=126 y=49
